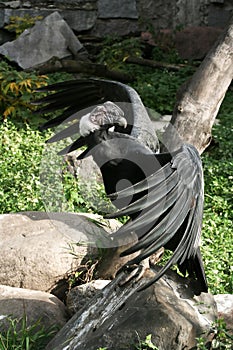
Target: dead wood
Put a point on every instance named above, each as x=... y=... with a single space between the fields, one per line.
x=90 y=318
x=72 y=66
x=154 y=64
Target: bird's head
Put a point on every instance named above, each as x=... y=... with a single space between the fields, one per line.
x=105 y=116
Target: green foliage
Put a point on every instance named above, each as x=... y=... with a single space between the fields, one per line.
x=145 y=344
x=141 y=344
x=16 y=91
x=222 y=339
x=218 y=211
x=19 y=24
x=21 y=336
x=21 y=151
x=157 y=88
x=115 y=51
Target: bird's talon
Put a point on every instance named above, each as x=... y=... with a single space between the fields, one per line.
x=133 y=272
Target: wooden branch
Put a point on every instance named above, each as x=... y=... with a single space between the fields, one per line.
x=200 y=98
x=71 y=66
x=154 y=64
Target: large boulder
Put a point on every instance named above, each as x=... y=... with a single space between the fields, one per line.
x=18 y=303
x=40 y=250
x=225 y=309
x=192 y=43
x=51 y=37
x=120 y=315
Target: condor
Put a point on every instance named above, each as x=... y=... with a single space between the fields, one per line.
x=161 y=193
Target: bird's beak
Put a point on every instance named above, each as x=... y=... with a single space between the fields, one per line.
x=122 y=122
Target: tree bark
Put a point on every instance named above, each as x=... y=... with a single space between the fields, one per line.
x=200 y=98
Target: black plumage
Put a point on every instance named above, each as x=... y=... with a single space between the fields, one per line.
x=165 y=198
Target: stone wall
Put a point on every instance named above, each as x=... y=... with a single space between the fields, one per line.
x=122 y=17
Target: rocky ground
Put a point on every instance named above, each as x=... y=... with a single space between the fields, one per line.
x=37 y=260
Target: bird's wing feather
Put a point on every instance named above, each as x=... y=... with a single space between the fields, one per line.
x=176 y=223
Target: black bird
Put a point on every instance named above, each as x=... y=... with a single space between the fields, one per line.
x=162 y=193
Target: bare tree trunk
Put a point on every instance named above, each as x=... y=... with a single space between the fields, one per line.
x=200 y=98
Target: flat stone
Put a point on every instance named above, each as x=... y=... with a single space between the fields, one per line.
x=219 y=18
x=75 y=4
x=80 y=20
x=12 y=4
x=117 y=9
x=49 y=38
x=115 y=27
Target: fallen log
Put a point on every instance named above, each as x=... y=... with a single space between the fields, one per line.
x=154 y=64
x=71 y=66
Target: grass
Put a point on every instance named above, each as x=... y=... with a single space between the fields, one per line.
x=21 y=336
x=218 y=213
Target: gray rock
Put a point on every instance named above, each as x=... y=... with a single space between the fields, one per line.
x=81 y=295
x=225 y=309
x=88 y=4
x=40 y=250
x=119 y=26
x=118 y=315
x=49 y=38
x=35 y=305
x=195 y=42
x=7 y=13
x=217 y=17
x=80 y=20
x=117 y=9
x=12 y=4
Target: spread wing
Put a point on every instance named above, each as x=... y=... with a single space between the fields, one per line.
x=75 y=96
x=167 y=206
x=170 y=213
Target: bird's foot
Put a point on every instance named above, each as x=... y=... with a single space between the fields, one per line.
x=134 y=272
